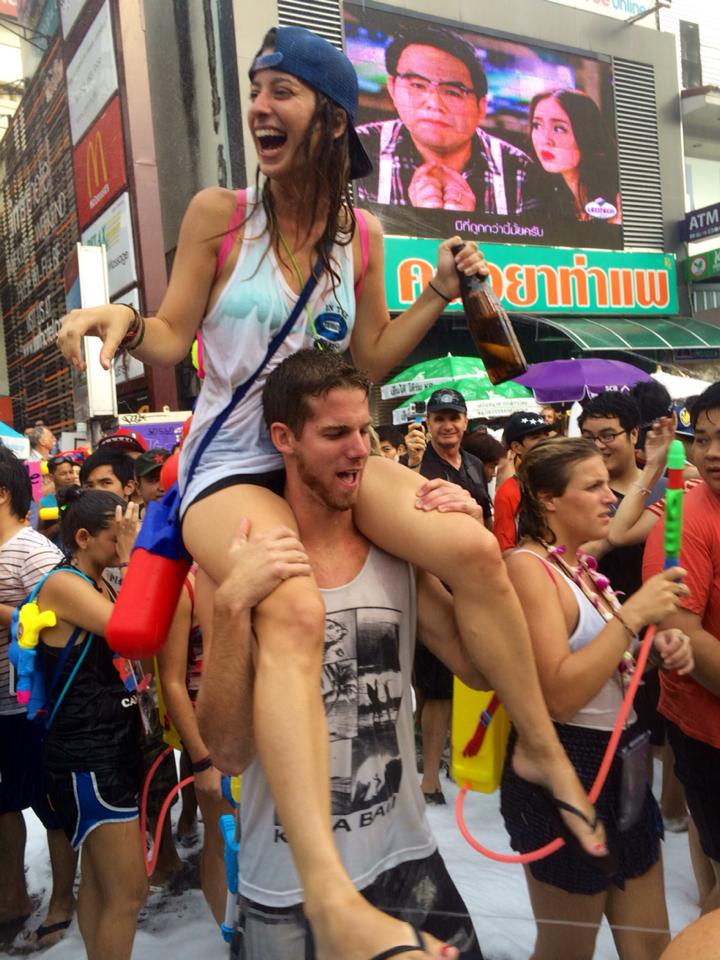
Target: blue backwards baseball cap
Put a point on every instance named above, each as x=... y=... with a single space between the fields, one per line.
x=322 y=66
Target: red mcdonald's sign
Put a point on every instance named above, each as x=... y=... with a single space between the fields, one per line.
x=99 y=161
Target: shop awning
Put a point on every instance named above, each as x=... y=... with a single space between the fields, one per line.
x=625 y=333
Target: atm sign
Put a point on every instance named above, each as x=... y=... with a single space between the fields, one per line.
x=99 y=161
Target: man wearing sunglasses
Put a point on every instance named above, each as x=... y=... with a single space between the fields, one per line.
x=62 y=470
x=436 y=154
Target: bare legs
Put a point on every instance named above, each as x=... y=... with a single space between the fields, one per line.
x=113 y=888
x=568 y=922
x=466 y=557
x=291 y=730
x=63 y=860
x=14 y=900
x=212 y=862
x=435 y=725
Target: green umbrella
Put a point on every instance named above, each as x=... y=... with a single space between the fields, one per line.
x=429 y=372
x=482 y=397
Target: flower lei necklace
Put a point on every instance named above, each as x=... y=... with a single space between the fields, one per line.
x=587 y=565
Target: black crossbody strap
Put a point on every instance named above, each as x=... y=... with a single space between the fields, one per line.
x=273 y=346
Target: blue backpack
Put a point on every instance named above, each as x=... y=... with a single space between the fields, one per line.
x=29 y=670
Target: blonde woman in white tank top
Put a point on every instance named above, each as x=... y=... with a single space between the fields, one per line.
x=581 y=644
x=304 y=96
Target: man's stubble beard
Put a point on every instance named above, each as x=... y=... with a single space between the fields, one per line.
x=338 y=503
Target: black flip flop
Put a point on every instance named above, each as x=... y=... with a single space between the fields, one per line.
x=606 y=864
x=44 y=930
x=396 y=951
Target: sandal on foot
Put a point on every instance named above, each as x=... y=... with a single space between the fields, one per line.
x=397 y=951
x=436 y=798
x=45 y=929
x=606 y=864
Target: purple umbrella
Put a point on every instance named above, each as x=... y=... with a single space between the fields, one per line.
x=563 y=381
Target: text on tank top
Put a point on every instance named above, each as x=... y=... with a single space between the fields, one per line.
x=378 y=812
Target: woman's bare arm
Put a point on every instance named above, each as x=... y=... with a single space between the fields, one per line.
x=378 y=343
x=571 y=679
x=169 y=334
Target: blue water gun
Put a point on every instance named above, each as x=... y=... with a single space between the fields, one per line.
x=229 y=828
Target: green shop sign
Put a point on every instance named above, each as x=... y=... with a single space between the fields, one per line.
x=703 y=266
x=545 y=279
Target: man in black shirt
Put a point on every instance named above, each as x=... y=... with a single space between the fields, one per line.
x=447 y=423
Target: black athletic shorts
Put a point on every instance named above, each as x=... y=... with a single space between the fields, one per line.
x=527 y=822
x=85 y=799
x=22 y=781
x=420 y=892
x=697 y=767
x=272 y=480
x=431 y=678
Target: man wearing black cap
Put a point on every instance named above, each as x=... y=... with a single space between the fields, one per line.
x=522 y=432
x=436 y=154
x=447 y=423
x=147 y=474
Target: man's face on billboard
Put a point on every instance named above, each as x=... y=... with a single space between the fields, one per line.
x=434 y=97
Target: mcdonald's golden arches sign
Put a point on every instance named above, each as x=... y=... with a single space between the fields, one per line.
x=99 y=161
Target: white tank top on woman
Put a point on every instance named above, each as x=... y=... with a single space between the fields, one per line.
x=601 y=712
x=252 y=307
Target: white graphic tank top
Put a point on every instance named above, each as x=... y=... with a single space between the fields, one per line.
x=378 y=811
x=252 y=307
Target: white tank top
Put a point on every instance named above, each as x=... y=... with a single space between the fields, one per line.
x=378 y=811
x=601 y=712
x=252 y=307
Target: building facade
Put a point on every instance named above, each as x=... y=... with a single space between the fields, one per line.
x=142 y=105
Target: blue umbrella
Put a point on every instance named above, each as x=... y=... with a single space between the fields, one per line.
x=14 y=441
x=564 y=381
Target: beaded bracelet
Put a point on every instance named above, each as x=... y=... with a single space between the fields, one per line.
x=135 y=332
x=438 y=292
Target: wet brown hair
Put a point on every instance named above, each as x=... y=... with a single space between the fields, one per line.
x=307 y=373
x=325 y=175
x=547 y=469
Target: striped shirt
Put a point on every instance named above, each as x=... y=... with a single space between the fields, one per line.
x=24 y=560
x=495 y=174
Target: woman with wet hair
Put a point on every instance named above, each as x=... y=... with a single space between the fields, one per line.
x=241 y=263
x=584 y=644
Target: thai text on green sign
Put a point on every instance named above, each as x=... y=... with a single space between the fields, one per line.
x=545 y=279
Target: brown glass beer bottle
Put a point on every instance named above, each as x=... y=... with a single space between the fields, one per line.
x=490 y=328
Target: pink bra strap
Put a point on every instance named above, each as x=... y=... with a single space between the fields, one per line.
x=223 y=253
x=233 y=227
x=364 y=251
x=543 y=561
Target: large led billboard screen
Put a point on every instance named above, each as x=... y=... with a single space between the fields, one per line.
x=490 y=137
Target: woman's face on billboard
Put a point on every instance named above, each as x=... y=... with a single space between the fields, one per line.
x=553 y=138
x=434 y=97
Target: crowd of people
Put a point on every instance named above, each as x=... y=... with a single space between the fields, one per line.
x=327 y=580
